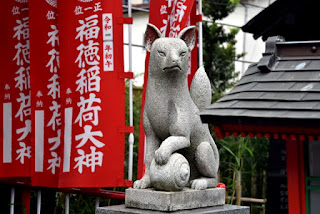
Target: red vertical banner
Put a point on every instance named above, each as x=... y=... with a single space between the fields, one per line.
x=193 y=61
x=45 y=93
x=92 y=93
x=15 y=147
x=170 y=17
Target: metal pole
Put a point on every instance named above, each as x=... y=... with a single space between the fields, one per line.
x=12 y=200
x=39 y=202
x=97 y=202
x=131 y=137
x=244 y=38
x=200 y=35
x=67 y=202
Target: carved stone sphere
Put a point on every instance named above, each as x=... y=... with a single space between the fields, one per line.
x=172 y=176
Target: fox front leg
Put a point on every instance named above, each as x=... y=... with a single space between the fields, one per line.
x=207 y=162
x=168 y=146
x=152 y=144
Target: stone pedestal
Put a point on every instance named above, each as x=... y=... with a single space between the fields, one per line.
x=222 y=209
x=149 y=199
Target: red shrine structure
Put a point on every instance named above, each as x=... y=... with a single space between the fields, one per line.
x=279 y=98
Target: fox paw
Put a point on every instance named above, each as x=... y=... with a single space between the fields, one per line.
x=199 y=184
x=162 y=156
x=143 y=183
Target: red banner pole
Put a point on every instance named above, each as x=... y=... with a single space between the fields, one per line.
x=131 y=137
x=200 y=33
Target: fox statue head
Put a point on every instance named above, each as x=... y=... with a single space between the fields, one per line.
x=169 y=55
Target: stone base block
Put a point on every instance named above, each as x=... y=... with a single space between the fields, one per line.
x=222 y=209
x=149 y=199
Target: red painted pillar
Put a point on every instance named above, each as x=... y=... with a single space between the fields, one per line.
x=295 y=177
x=302 y=178
x=26 y=197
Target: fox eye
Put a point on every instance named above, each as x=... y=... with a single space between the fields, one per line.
x=183 y=53
x=161 y=53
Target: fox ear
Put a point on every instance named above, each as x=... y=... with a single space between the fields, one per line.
x=188 y=35
x=152 y=33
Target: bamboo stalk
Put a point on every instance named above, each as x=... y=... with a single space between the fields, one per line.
x=254 y=182
x=253 y=185
x=264 y=188
x=239 y=188
x=264 y=185
x=233 y=186
x=251 y=200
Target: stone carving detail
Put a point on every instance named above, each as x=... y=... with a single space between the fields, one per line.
x=163 y=177
x=180 y=151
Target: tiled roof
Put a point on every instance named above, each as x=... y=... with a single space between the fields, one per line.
x=283 y=89
x=292 y=19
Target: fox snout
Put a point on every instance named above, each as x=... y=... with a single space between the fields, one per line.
x=173 y=61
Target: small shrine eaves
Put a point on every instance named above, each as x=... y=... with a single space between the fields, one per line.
x=278 y=97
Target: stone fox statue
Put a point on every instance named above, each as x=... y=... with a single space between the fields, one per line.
x=170 y=118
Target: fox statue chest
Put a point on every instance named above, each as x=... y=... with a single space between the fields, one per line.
x=167 y=97
x=168 y=107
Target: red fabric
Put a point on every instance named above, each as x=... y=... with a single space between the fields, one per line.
x=170 y=21
x=91 y=37
x=15 y=150
x=45 y=94
x=194 y=52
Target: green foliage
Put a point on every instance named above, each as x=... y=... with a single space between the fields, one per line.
x=79 y=204
x=250 y=156
x=233 y=150
x=218 y=9
x=219 y=51
x=18 y=207
x=254 y=176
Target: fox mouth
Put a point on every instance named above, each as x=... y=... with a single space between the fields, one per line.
x=172 y=68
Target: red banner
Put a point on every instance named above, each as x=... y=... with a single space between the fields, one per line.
x=92 y=93
x=170 y=17
x=173 y=18
x=45 y=93
x=15 y=149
